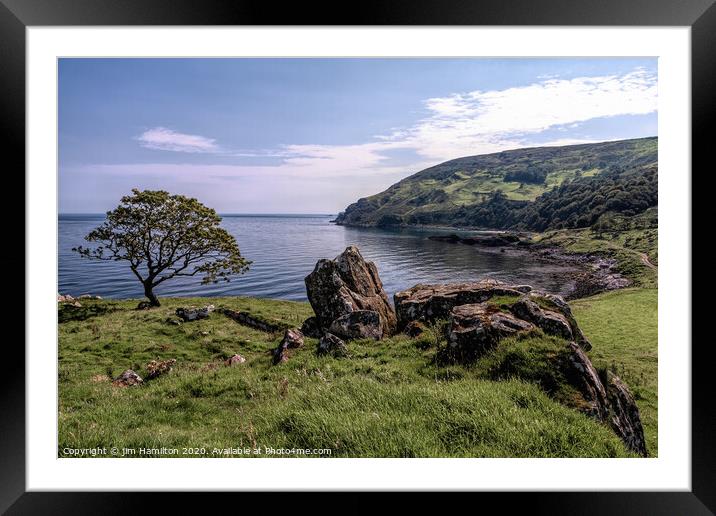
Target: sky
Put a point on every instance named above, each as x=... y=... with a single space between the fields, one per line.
x=314 y=135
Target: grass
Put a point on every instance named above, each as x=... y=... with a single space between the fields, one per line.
x=387 y=399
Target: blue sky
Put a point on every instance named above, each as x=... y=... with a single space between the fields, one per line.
x=314 y=135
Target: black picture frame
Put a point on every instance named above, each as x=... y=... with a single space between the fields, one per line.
x=17 y=15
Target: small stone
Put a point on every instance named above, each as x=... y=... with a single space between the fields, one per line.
x=331 y=345
x=157 y=368
x=127 y=379
x=235 y=359
x=193 y=313
x=292 y=339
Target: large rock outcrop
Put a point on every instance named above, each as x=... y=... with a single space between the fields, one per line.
x=337 y=288
x=429 y=303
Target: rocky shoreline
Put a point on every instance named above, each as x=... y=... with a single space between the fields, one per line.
x=596 y=273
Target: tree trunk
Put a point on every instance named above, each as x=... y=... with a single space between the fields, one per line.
x=149 y=293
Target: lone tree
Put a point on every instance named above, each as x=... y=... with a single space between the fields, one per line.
x=163 y=236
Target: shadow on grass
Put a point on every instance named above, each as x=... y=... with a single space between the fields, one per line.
x=68 y=313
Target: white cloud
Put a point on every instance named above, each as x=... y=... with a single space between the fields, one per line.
x=489 y=121
x=328 y=177
x=161 y=138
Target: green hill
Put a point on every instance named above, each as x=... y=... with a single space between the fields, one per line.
x=535 y=188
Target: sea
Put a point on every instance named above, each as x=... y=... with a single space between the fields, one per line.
x=284 y=249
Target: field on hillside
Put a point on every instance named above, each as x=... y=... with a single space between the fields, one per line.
x=386 y=399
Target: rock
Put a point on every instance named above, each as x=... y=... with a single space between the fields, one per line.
x=173 y=320
x=476 y=328
x=580 y=374
x=525 y=289
x=486 y=240
x=193 y=313
x=127 y=379
x=359 y=324
x=348 y=284
x=157 y=368
x=428 y=303
x=252 y=321
x=550 y=322
x=310 y=328
x=90 y=296
x=292 y=338
x=331 y=345
x=624 y=415
x=234 y=359
x=144 y=305
x=451 y=238
x=560 y=305
x=613 y=404
x=68 y=300
x=414 y=329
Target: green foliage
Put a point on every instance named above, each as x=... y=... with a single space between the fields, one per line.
x=163 y=236
x=531 y=189
x=388 y=399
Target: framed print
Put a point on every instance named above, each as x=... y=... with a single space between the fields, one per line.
x=436 y=249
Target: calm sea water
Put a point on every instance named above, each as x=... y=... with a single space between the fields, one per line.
x=284 y=249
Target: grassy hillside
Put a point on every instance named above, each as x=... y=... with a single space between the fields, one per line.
x=387 y=399
x=453 y=192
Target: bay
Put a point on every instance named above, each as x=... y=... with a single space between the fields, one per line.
x=285 y=248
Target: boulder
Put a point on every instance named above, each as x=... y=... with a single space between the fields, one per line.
x=476 y=328
x=428 y=303
x=359 y=324
x=624 y=415
x=193 y=313
x=348 y=284
x=127 y=379
x=234 y=359
x=550 y=322
x=580 y=374
x=558 y=304
x=157 y=368
x=331 y=345
x=605 y=399
x=310 y=328
x=292 y=338
x=414 y=329
x=90 y=297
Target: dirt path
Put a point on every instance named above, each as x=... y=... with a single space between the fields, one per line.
x=645 y=260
